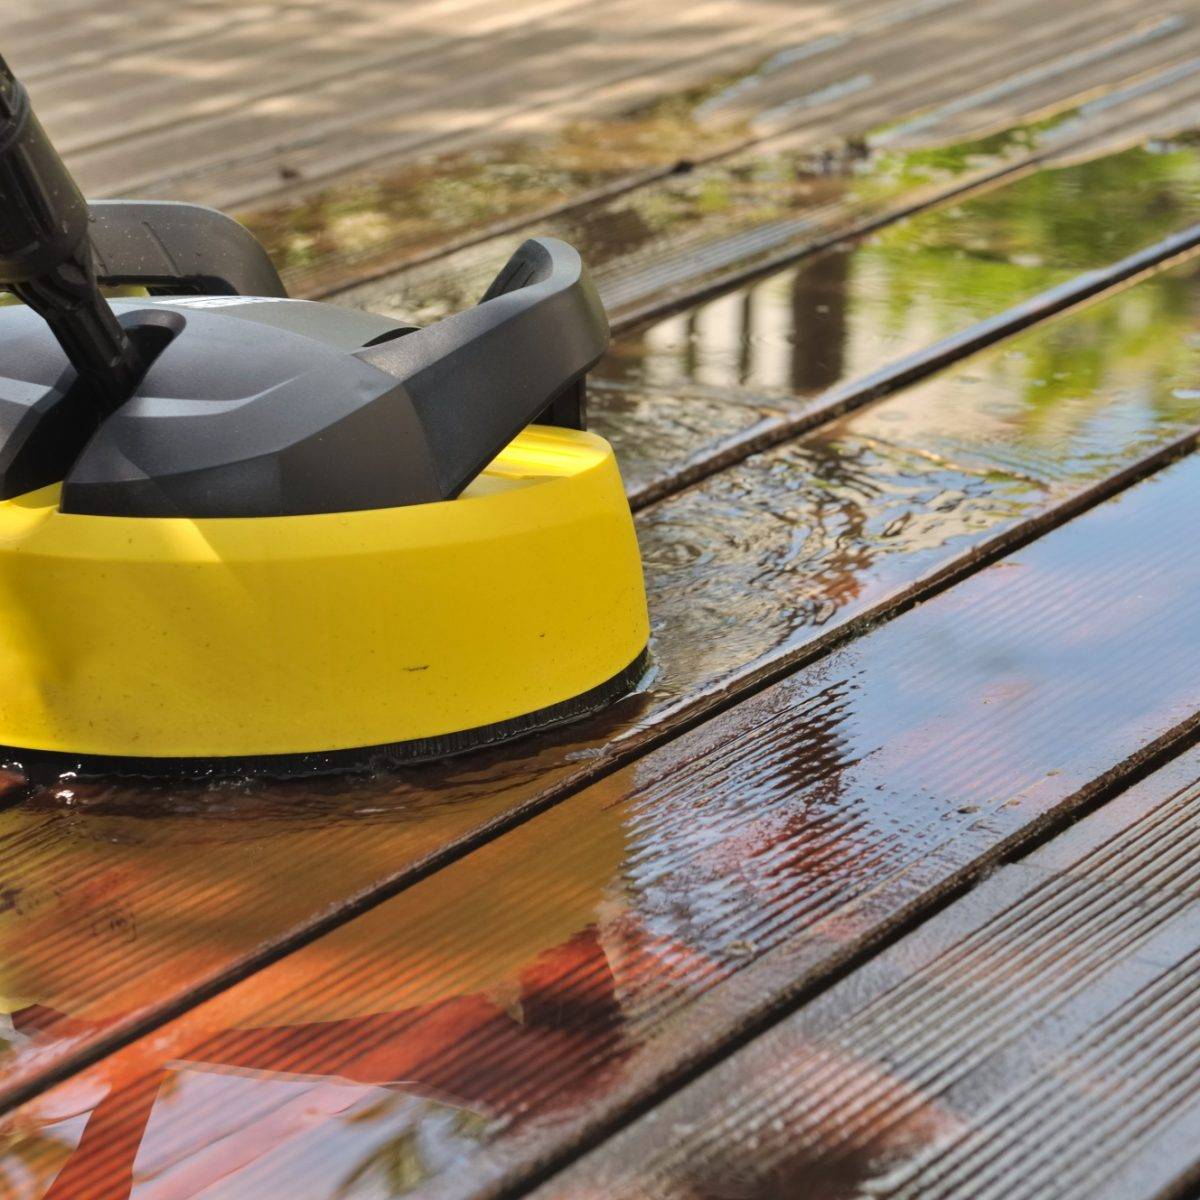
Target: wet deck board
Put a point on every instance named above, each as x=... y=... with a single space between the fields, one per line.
x=894 y=501
x=1037 y=1037
x=834 y=509
x=457 y=979
x=531 y=993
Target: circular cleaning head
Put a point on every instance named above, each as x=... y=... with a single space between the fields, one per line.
x=243 y=532
x=352 y=639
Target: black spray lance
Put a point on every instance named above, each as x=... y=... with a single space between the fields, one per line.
x=46 y=256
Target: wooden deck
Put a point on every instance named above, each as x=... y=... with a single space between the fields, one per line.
x=885 y=882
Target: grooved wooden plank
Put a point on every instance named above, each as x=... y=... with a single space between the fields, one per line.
x=40 y=33
x=73 y=42
x=984 y=109
x=1038 y=1038
x=160 y=89
x=202 y=32
x=352 y=121
x=127 y=901
x=470 y=1031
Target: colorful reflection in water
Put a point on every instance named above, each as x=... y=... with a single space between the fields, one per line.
x=841 y=314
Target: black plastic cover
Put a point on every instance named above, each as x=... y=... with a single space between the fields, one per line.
x=46 y=255
x=170 y=247
x=274 y=407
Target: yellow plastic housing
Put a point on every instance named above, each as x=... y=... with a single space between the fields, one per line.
x=168 y=638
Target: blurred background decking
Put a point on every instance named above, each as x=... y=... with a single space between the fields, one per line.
x=357 y=135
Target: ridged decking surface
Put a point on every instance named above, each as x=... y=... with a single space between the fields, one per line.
x=884 y=881
x=1037 y=1037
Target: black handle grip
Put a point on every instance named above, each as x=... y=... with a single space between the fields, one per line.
x=479 y=377
x=44 y=218
x=171 y=247
x=46 y=255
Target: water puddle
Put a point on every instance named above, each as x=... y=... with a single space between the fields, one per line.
x=840 y=314
x=676 y=393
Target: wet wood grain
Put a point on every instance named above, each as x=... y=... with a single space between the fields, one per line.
x=1038 y=1037
x=128 y=900
x=496 y=1014
x=690 y=395
x=771 y=360
x=701 y=436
